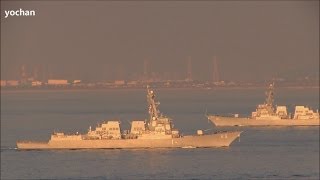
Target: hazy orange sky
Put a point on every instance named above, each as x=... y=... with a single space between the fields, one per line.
x=252 y=40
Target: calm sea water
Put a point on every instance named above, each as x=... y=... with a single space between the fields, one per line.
x=275 y=153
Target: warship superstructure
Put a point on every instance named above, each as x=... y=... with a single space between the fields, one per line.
x=267 y=115
x=156 y=132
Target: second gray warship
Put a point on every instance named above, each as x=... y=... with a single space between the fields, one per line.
x=156 y=132
x=267 y=115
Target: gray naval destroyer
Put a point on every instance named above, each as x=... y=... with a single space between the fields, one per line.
x=156 y=132
x=267 y=115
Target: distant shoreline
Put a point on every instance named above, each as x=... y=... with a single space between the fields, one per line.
x=73 y=89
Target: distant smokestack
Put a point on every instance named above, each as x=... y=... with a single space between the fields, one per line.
x=216 y=77
x=146 y=70
x=189 y=69
x=41 y=73
x=35 y=72
x=48 y=73
x=145 y=67
x=120 y=72
x=23 y=72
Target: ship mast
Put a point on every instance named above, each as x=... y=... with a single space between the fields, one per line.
x=270 y=98
x=157 y=121
x=153 y=111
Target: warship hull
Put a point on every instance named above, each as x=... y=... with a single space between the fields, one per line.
x=223 y=139
x=233 y=121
